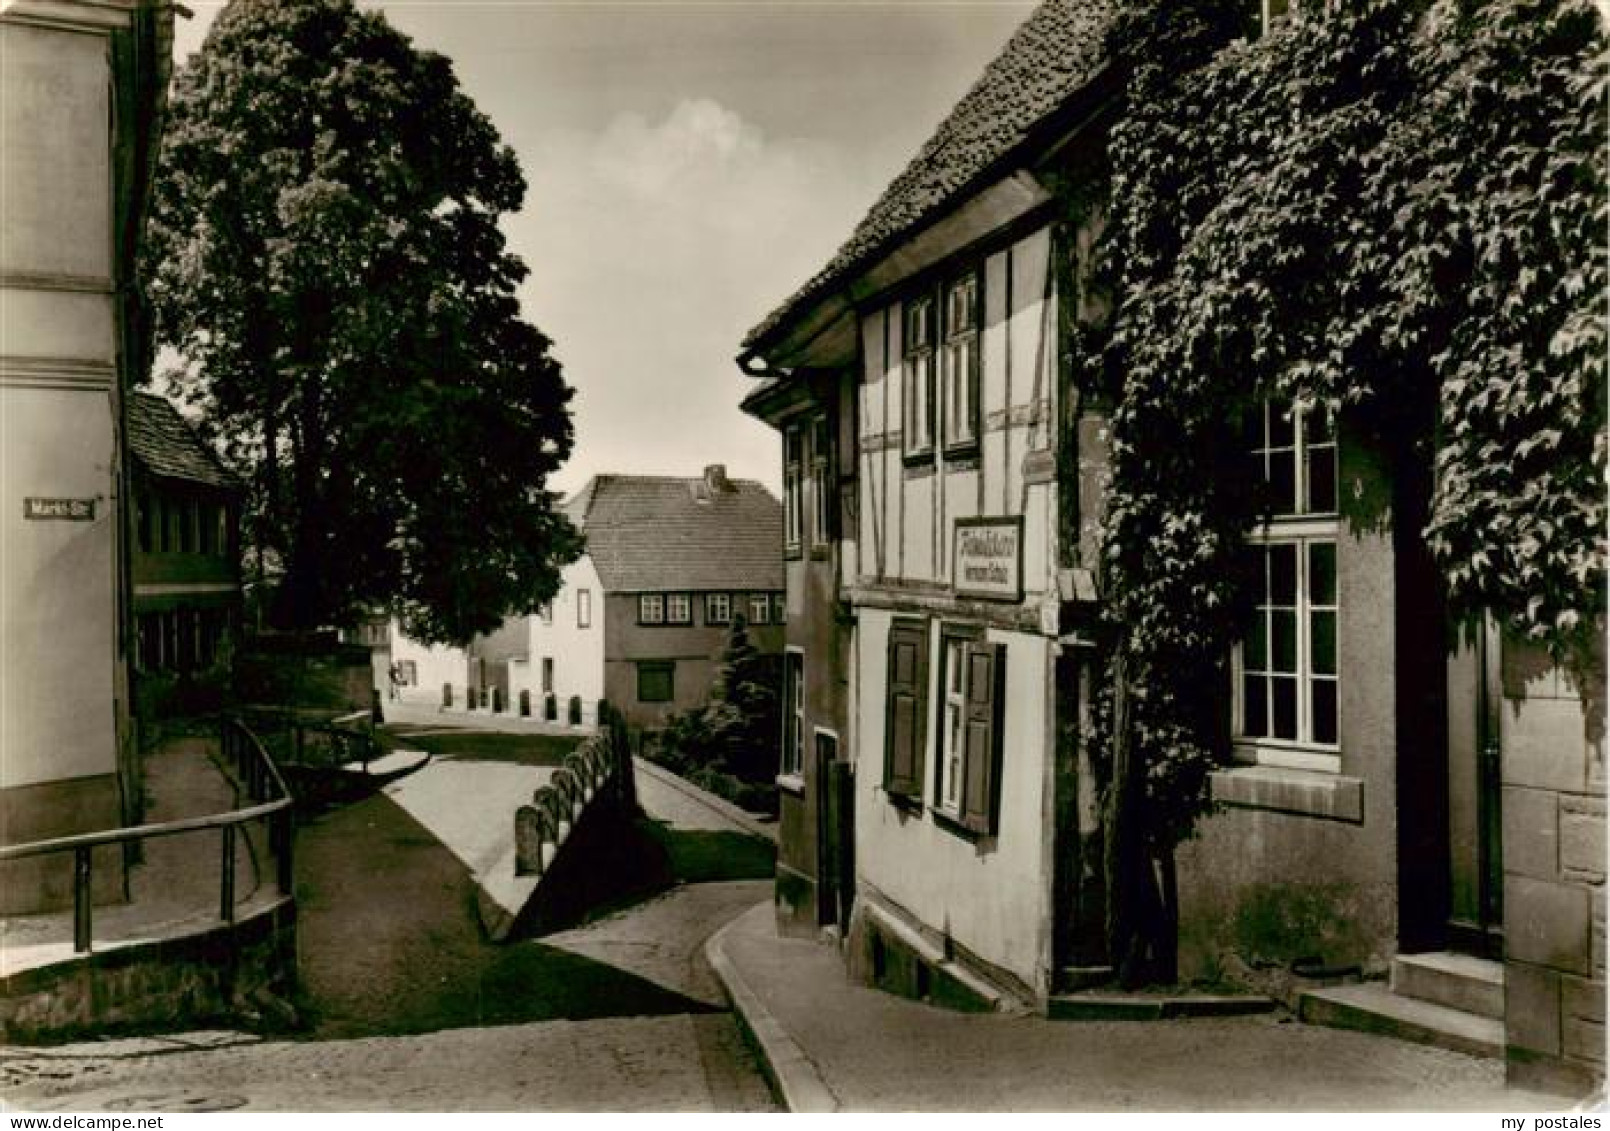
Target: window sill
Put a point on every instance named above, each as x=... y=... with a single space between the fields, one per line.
x=821 y=553
x=792 y=784
x=793 y=552
x=1307 y=793
x=952 y=824
x=924 y=458
x=904 y=803
x=962 y=457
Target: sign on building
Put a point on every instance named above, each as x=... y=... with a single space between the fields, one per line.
x=988 y=558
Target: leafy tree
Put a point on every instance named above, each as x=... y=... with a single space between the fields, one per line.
x=1394 y=210
x=325 y=255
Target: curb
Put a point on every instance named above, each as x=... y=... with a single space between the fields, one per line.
x=794 y=1079
x=721 y=805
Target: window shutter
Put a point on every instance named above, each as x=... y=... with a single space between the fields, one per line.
x=908 y=684
x=986 y=669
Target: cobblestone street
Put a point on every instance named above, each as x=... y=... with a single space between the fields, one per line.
x=412 y=1009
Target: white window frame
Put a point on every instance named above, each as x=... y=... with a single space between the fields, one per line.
x=959 y=362
x=821 y=482
x=718 y=608
x=952 y=737
x=791 y=761
x=1301 y=530
x=918 y=410
x=779 y=608
x=650 y=608
x=678 y=608
x=793 y=490
x=760 y=608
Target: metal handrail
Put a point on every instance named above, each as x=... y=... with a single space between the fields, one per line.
x=259 y=771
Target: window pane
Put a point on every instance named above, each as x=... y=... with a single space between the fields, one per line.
x=1255 y=707
x=1283 y=625
x=1321 y=479
x=1283 y=693
x=1322 y=573
x=1322 y=643
x=1281 y=432
x=1317 y=426
x=1324 y=711
x=1283 y=574
x=1283 y=481
x=1255 y=650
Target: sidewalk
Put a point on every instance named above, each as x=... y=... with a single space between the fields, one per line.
x=830 y=1045
x=175 y=891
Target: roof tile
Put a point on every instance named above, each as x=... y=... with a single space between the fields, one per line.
x=647 y=532
x=166 y=445
x=1054 y=54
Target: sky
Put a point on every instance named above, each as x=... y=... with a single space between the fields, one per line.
x=689 y=166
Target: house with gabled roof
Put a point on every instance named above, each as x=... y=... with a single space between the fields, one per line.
x=185 y=561
x=1397 y=797
x=641 y=618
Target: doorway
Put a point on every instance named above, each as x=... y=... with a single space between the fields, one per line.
x=835 y=834
x=1475 y=849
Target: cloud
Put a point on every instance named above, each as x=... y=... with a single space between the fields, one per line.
x=654 y=244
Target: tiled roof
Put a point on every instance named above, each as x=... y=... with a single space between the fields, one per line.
x=649 y=532
x=1055 y=53
x=166 y=445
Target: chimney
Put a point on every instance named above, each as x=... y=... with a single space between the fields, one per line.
x=715 y=478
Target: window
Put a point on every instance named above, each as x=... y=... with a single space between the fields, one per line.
x=678 y=609
x=793 y=511
x=1286 y=664
x=821 y=482
x=972 y=674
x=584 y=608
x=779 y=608
x=759 y=608
x=651 y=609
x=906 y=709
x=547 y=674
x=717 y=608
x=407 y=673
x=793 y=758
x=918 y=427
x=546 y=612
x=656 y=681
x=959 y=362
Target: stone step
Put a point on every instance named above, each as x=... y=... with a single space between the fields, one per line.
x=1458 y=981
x=1117 y=1006
x=1373 y=1008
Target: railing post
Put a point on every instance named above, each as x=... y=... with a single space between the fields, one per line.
x=226 y=879
x=284 y=856
x=83 y=898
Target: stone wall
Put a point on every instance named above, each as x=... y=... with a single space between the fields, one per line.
x=241 y=973
x=1554 y=869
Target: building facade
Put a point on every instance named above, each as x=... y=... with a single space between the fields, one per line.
x=186 y=543
x=81 y=87
x=641 y=618
x=1396 y=785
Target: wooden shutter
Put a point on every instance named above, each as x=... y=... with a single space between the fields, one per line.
x=907 y=697
x=986 y=669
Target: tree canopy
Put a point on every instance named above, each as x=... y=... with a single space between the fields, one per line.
x=325 y=255
x=1395 y=211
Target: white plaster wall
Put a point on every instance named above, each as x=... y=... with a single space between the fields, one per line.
x=57 y=587
x=58 y=582
x=577 y=653
x=434 y=664
x=991 y=896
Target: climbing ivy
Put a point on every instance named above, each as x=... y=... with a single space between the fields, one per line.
x=1396 y=212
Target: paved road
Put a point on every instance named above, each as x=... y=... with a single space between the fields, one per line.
x=413 y=1010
